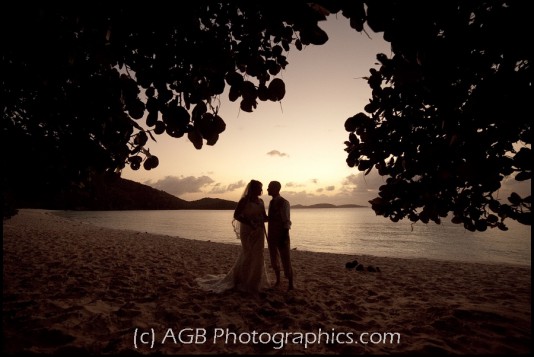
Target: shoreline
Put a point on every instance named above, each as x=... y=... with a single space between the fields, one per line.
x=482 y=249
x=69 y=286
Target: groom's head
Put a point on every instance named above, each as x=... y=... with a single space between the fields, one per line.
x=274 y=188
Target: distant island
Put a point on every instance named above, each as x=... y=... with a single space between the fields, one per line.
x=120 y=194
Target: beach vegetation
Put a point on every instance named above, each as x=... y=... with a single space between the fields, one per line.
x=87 y=89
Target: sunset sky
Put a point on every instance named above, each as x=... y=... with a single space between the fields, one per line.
x=298 y=141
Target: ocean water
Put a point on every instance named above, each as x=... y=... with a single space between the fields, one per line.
x=353 y=231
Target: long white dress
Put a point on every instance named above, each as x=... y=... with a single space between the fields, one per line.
x=248 y=273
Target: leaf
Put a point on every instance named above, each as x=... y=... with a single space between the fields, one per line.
x=481 y=226
x=195 y=137
x=263 y=92
x=523 y=158
x=273 y=67
x=457 y=220
x=141 y=138
x=492 y=219
x=150 y=92
x=152 y=118
x=502 y=226
x=515 y=199
x=151 y=162
x=212 y=140
x=199 y=110
x=285 y=45
x=234 y=93
x=313 y=34
x=152 y=104
x=234 y=79
x=216 y=85
x=523 y=176
x=176 y=117
x=136 y=125
x=151 y=136
x=219 y=124
x=248 y=105
x=136 y=109
x=248 y=91
x=357 y=23
x=352 y=123
x=377 y=16
x=276 y=89
x=353 y=139
x=160 y=127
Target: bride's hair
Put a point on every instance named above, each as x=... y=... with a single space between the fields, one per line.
x=246 y=195
x=250 y=186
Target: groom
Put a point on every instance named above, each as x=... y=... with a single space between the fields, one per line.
x=278 y=226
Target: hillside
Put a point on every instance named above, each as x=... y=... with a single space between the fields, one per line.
x=122 y=194
x=105 y=194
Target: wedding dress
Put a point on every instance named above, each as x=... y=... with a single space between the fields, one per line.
x=248 y=273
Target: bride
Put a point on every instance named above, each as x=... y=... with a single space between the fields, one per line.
x=248 y=273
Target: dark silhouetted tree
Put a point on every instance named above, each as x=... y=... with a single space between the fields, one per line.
x=86 y=88
x=450 y=113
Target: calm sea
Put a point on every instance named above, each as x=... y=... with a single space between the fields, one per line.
x=353 y=231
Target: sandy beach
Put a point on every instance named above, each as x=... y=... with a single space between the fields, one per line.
x=70 y=287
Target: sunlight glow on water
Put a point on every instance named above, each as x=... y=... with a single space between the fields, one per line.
x=351 y=231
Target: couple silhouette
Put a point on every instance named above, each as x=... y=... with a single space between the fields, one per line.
x=249 y=273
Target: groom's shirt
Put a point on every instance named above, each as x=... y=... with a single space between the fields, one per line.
x=279 y=214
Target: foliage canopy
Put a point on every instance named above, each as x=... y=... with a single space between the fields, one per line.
x=85 y=88
x=448 y=120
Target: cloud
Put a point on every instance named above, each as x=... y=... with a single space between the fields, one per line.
x=362 y=183
x=353 y=189
x=277 y=153
x=359 y=183
x=237 y=185
x=363 y=188
x=178 y=186
x=220 y=189
x=324 y=195
x=294 y=184
x=327 y=188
